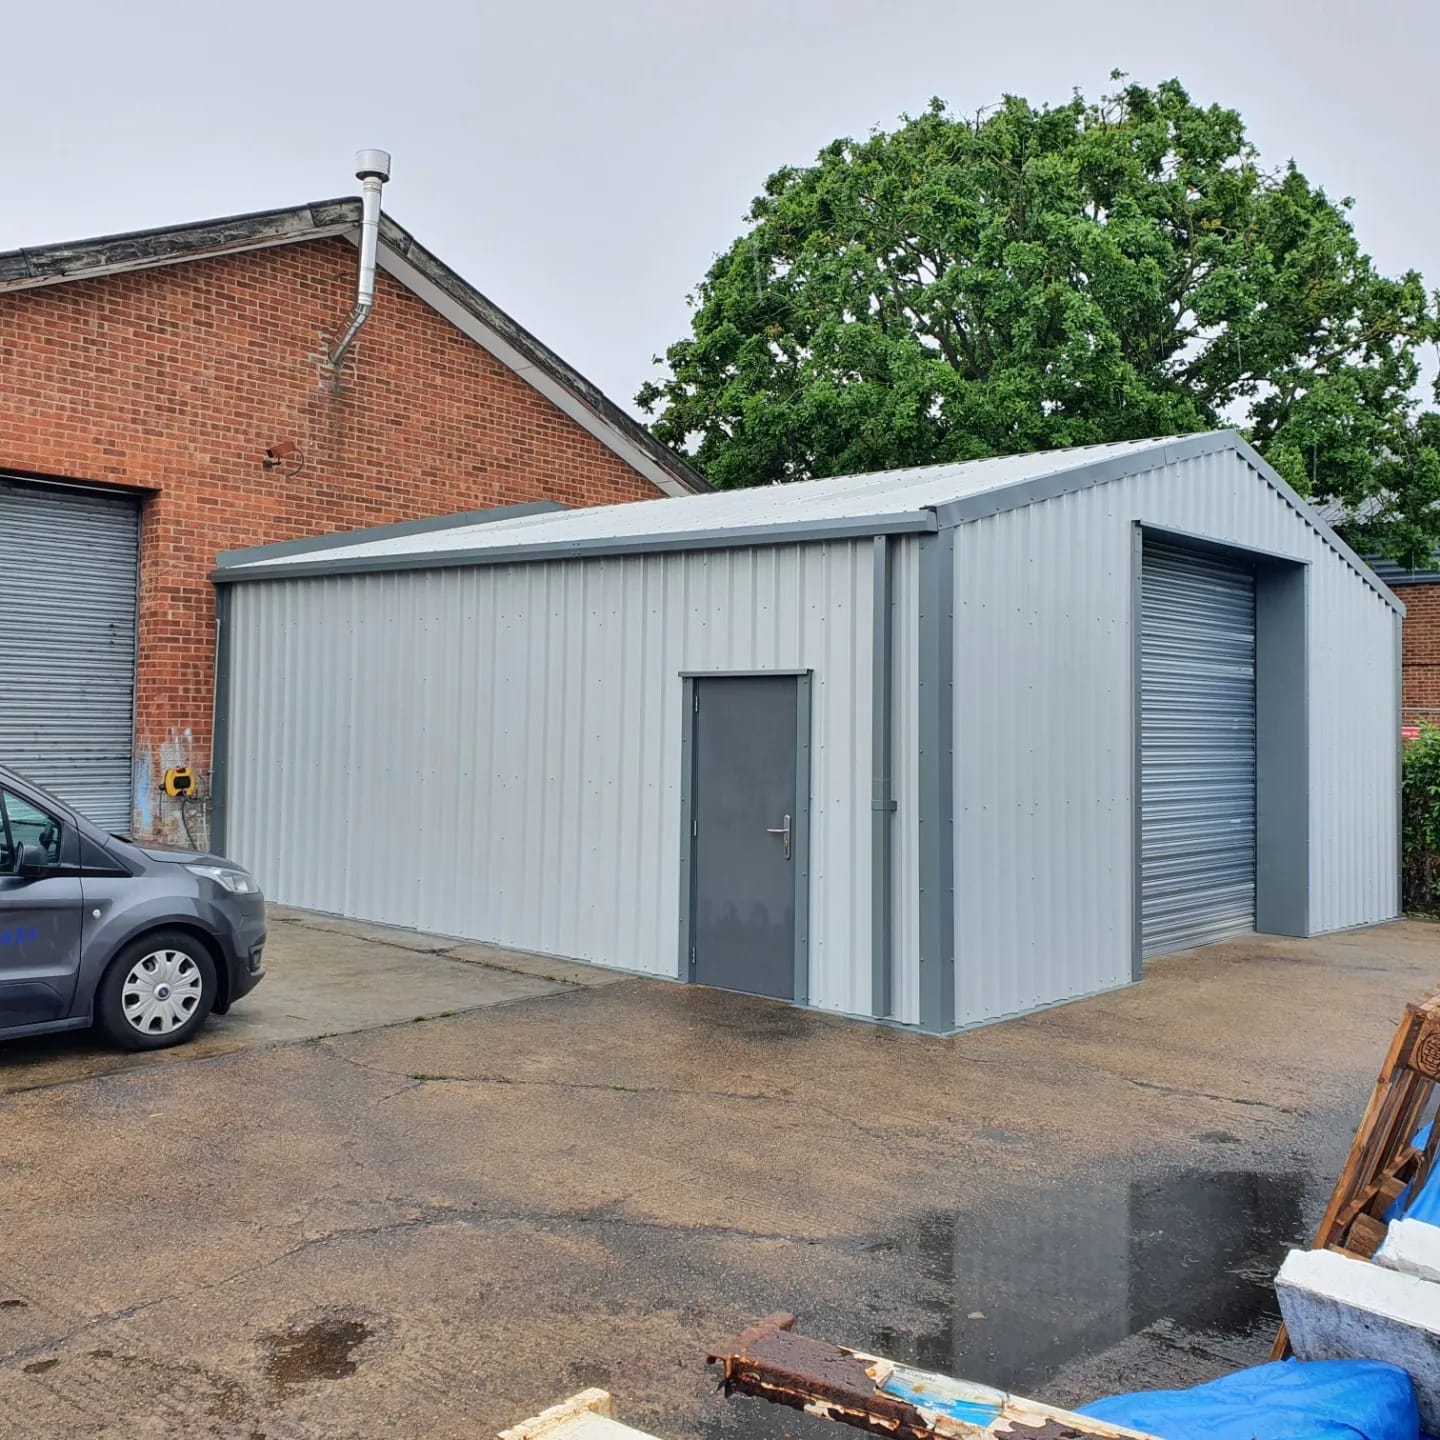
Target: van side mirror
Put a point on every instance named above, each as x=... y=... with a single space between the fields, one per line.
x=31 y=861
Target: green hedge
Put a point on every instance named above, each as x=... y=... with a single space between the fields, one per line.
x=1421 y=858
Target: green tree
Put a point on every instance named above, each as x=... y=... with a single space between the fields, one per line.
x=1042 y=277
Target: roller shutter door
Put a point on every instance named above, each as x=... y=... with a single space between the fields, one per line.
x=1197 y=713
x=68 y=577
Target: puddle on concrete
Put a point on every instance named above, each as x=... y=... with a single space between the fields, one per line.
x=322 y=1351
x=1066 y=1271
x=1073 y=1270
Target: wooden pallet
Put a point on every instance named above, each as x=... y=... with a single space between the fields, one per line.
x=1382 y=1161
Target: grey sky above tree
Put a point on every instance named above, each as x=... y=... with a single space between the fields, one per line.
x=1042 y=276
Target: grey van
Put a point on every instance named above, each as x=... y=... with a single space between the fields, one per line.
x=96 y=930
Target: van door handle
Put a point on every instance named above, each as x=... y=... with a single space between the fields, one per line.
x=785 y=831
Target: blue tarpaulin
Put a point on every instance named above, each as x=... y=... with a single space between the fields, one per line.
x=1424 y=1206
x=1287 y=1400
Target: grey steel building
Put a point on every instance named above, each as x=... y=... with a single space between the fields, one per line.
x=935 y=746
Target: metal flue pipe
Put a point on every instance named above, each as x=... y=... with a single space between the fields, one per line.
x=372 y=170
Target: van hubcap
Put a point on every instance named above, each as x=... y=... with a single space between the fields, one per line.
x=161 y=992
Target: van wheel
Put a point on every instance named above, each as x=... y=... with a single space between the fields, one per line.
x=157 y=992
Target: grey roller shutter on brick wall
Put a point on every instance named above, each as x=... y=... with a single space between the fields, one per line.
x=1197 y=704
x=68 y=577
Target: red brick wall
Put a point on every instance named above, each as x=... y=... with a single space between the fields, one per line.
x=175 y=380
x=1421 y=653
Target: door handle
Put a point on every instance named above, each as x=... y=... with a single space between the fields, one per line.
x=782 y=830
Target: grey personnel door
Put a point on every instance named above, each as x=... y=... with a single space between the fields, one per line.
x=749 y=809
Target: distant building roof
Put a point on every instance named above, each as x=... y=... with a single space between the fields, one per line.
x=1335 y=513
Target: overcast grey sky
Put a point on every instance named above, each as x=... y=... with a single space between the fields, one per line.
x=582 y=163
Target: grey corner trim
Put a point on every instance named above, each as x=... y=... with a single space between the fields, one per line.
x=594 y=547
x=1282 y=748
x=340 y=539
x=1164 y=452
x=802 y=838
x=1137 y=753
x=685 y=969
x=937 y=781
x=882 y=794
x=220 y=732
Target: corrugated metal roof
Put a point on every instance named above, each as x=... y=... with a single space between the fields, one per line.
x=843 y=497
x=889 y=501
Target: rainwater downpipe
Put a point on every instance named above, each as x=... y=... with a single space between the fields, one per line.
x=372 y=170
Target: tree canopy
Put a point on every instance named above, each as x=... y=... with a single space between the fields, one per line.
x=1043 y=277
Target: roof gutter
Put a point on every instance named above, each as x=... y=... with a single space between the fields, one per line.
x=372 y=170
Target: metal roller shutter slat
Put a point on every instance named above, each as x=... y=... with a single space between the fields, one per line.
x=68 y=567
x=1197 y=756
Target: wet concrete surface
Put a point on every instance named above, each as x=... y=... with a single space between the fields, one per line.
x=323 y=976
x=437 y=1229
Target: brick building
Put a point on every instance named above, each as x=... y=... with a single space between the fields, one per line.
x=1420 y=655
x=144 y=378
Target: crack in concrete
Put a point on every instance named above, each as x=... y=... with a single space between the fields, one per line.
x=420 y=1079
x=1208 y=1095
x=446 y=952
x=430 y=1216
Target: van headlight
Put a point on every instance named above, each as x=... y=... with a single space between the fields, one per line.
x=237 y=882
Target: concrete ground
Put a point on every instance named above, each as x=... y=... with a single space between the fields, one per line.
x=324 y=976
x=435 y=1229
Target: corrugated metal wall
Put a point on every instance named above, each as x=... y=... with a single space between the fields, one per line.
x=495 y=752
x=1044 y=729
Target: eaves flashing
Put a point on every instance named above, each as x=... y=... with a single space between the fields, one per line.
x=344 y=539
x=596 y=547
x=1101 y=472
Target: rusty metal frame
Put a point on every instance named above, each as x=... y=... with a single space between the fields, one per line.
x=770 y=1362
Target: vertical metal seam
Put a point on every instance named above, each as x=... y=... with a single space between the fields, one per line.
x=802 y=838
x=686 y=969
x=1137 y=763
x=937 y=781
x=220 y=721
x=882 y=800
